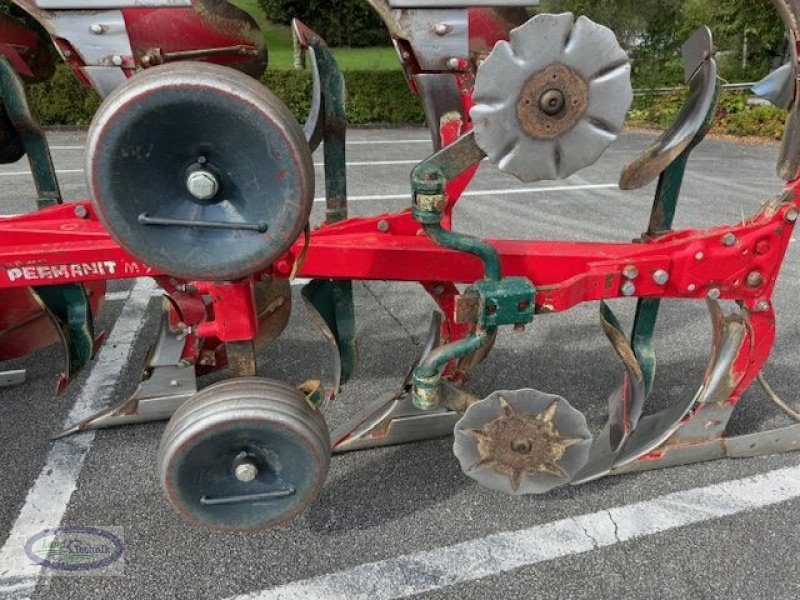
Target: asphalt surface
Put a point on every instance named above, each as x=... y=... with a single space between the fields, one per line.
x=384 y=503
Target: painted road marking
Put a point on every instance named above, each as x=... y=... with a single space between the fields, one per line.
x=420 y=572
x=507 y=192
x=349 y=143
x=364 y=163
x=47 y=499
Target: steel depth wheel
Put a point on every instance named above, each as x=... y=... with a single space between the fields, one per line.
x=244 y=455
x=199 y=171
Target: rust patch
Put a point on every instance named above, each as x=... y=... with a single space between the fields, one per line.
x=520 y=445
x=552 y=102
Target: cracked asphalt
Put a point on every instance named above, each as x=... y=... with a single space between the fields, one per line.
x=384 y=503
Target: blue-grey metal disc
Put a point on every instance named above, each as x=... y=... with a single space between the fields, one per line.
x=538 y=131
x=522 y=442
x=244 y=455
x=153 y=133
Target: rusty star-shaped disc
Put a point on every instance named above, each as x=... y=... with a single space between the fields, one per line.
x=522 y=442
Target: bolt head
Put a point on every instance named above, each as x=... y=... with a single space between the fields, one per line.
x=762 y=306
x=442 y=29
x=755 y=279
x=383 y=226
x=454 y=64
x=714 y=294
x=628 y=289
x=661 y=277
x=81 y=211
x=728 y=239
x=552 y=102
x=630 y=272
x=96 y=28
x=692 y=287
x=202 y=185
x=699 y=256
x=246 y=472
x=791 y=215
x=117 y=60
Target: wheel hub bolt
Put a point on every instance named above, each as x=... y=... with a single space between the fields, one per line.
x=202 y=184
x=246 y=472
x=552 y=102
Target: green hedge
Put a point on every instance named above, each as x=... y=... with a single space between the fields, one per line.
x=734 y=115
x=373 y=97
x=383 y=97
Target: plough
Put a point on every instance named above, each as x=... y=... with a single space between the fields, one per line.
x=201 y=179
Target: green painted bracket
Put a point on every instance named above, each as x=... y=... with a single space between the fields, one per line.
x=332 y=301
x=331 y=306
x=662 y=216
x=33 y=137
x=69 y=305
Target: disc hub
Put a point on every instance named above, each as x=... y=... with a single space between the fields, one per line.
x=202 y=185
x=522 y=442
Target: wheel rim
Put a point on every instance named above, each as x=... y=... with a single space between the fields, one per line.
x=244 y=455
x=157 y=141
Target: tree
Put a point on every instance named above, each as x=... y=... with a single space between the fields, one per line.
x=340 y=22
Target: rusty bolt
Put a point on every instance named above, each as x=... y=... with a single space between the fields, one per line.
x=755 y=279
x=661 y=277
x=699 y=256
x=519 y=328
x=628 y=289
x=202 y=185
x=246 y=472
x=791 y=215
x=728 y=239
x=383 y=226
x=762 y=306
x=630 y=272
x=442 y=28
x=491 y=309
x=714 y=293
x=81 y=211
x=438 y=289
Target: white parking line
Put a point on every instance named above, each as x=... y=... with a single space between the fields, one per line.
x=503 y=192
x=47 y=499
x=349 y=143
x=420 y=572
x=363 y=163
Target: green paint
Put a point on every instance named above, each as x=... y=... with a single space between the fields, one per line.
x=33 y=137
x=662 y=216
